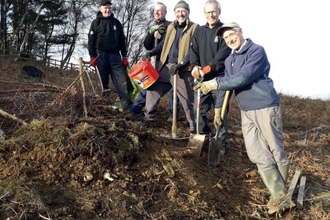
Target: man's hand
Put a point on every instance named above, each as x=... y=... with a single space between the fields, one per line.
x=217 y=121
x=147 y=55
x=175 y=68
x=125 y=62
x=199 y=73
x=93 y=61
x=207 y=86
x=157 y=35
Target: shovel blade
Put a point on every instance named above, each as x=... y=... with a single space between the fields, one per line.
x=214 y=152
x=196 y=143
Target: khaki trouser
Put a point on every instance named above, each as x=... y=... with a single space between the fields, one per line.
x=162 y=86
x=262 y=131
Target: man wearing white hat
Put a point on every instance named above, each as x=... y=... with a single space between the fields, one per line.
x=247 y=74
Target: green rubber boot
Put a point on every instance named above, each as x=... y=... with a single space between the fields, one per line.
x=284 y=170
x=279 y=201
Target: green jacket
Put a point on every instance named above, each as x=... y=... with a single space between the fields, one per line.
x=184 y=42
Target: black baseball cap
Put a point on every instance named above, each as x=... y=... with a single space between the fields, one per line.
x=103 y=2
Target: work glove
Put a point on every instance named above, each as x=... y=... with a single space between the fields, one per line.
x=175 y=68
x=199 y=73
x=147 y=55
x=207 y=86
x=217 y=121
x=153 y=29
x=195 y=72
x=93 y=61
x=125 y=62
x=161 y=29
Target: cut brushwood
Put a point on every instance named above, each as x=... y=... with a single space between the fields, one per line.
x=301 y=192
x=13 y=117
x=294 y=183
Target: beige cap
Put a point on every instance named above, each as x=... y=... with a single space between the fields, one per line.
x=225 y=26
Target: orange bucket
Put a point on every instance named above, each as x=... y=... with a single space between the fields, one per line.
x=143 y=74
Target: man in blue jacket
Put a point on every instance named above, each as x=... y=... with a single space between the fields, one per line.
x=105 y=39
x=247 y=74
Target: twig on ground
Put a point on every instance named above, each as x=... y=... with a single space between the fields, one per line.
x=13 y=117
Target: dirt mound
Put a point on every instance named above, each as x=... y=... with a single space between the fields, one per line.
x=53 y=167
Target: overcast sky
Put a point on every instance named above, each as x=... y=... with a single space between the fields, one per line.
x=294 y=34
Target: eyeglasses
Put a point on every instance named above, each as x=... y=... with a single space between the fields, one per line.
x=230 y=36
x=211 y=12
x=181 y=12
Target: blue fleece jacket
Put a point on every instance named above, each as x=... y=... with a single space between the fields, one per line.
x=247 y=73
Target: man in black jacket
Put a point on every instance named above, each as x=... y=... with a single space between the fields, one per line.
x=105 y=39
x=209 y=50
x=154 y=36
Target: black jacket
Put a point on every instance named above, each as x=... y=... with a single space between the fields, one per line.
x=106 y=34
x=209 y=49
x=149 y=41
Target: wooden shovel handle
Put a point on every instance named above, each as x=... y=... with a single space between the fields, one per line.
x=225 y=104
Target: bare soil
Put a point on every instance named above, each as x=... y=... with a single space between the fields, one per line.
x=53 y=166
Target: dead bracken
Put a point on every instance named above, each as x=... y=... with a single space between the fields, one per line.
x=62 y=163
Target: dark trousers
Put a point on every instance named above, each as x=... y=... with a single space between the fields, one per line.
x=207 y=101
x=110 y=65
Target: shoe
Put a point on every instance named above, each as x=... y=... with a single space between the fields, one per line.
x=146 y=124
x=190 y=133
x=106 y=94
x=170 y=119
x=223 y=150
x=207 y=135
x=131 y=116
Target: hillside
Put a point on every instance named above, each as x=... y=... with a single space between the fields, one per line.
x=52 y=163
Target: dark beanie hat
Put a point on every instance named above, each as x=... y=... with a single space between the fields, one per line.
x=103 y=2
x=182 y=4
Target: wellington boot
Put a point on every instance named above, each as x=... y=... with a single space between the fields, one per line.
x=279 y=201
x=284 y=170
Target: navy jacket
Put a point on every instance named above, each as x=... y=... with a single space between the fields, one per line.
x=247 y=73
x=106 y=34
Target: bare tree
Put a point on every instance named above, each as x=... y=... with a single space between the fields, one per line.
x=78 y=11
x=51 y=32
x=3 y=27
x=136 y=19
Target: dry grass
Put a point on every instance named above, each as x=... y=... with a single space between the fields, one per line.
x=42 y=164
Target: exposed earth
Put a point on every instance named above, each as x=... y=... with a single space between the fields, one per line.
x=59 y=144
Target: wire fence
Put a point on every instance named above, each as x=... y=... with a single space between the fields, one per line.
x=38 y=60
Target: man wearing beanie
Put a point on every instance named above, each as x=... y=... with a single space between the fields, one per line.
x=174 y=62
x=210 y=50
